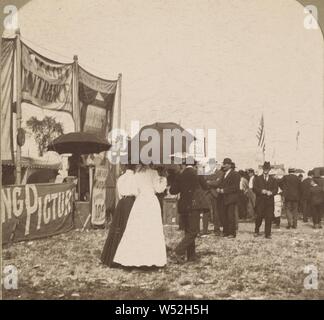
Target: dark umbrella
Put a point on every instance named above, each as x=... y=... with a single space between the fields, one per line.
x=79 y=143
x=159 y=127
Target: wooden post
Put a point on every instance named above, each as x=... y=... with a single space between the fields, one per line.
x=119 y=117
x=0 y=169
x=18 y=104
x=119 y=123
x=76 y=112
x=90 y=179
x=75 y=94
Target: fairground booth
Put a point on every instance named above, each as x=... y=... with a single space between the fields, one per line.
x=50 y=107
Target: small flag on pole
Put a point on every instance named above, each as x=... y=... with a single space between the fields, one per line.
x=261 y=135
x=297 y=135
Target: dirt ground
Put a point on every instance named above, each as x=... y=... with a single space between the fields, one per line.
x=68 y=267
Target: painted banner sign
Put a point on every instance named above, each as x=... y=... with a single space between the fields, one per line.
x=46 y=83
x=98 y=198
x=35 y=211
x=97 y=98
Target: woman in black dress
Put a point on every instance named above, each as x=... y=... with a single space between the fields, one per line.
x=126 y=189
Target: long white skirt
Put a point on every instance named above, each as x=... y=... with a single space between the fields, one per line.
x=143 y=242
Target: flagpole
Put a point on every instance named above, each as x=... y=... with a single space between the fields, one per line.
x=18 y=105
x=297 y=142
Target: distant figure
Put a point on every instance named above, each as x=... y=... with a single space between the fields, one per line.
x=305 y=196
x=229 y=189
x=291 y=188
x=300 y=208
x=278 y=200
x=214 y=180
x=242 y=203
x=251 y=195
x=265 y=188
x=316 y=203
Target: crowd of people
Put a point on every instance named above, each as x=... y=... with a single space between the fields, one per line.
x=270 y=196
x=136 y=237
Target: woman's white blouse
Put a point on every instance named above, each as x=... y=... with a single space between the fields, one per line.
x=126 y=184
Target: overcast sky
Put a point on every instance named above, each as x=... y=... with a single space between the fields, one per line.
x=207 y=64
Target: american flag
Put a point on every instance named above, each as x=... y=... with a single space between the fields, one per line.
x=261 y=135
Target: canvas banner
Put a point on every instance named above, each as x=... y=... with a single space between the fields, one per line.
x=46 y=83
x=35 y=211
x=98 y=197
x=97 y=97
x=7 y=76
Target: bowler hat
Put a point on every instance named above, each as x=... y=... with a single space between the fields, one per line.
x=227 y=161
x=266 y=165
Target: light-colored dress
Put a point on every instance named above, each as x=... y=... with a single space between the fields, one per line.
x=127 y=190
x=143 y=242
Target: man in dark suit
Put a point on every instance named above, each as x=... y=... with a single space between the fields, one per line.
x=265 y=188
x=305 y=195
x=229 y=189
x=291 y=189
x=186 y=183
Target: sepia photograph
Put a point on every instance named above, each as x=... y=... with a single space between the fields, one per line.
x=162 y=150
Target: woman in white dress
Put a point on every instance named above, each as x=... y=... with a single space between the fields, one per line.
x=143 y=242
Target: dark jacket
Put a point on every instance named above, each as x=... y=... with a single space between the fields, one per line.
x=317 y=192
x=186 y=183
x=291 y=187
x=214 y=180
x=231 y=186
x=305 y=188
x=260 y=184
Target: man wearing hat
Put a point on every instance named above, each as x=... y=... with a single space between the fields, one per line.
x=229 y=188
x=185 y=184
x=265 y=187
x=291 y=189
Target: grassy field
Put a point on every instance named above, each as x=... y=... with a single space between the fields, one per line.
x=68 y=267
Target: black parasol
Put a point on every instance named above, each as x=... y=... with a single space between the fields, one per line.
x=79 y=143
x=166 y=143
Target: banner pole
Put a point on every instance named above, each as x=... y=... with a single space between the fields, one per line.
x=119 y=119
x=75 y=94
x=76 y=112
x=18 y=104
x=1 y=174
